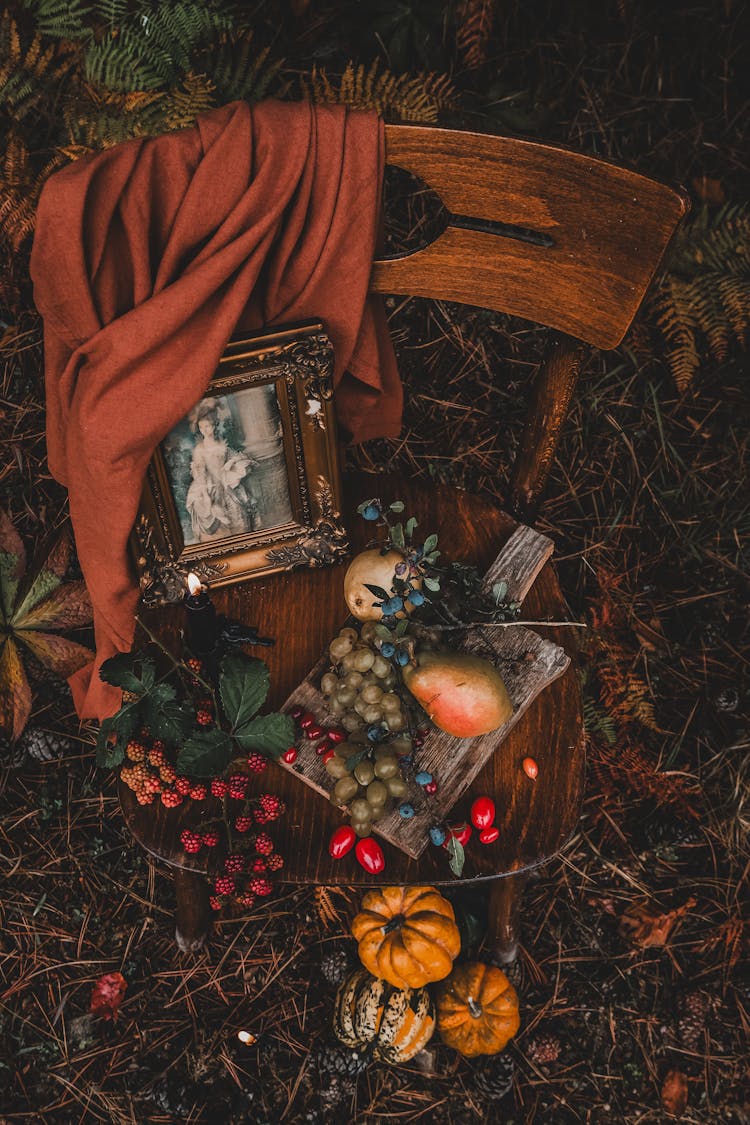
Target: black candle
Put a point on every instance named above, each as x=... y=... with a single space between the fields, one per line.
x=201 y=626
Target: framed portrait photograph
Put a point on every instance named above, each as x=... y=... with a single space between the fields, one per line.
x=247 y=483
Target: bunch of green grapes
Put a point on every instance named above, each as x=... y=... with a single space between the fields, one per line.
x=360 y=687
x=368 y=777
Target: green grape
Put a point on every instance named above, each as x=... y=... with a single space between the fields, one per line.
x=360 y=707
x=390 y=701
x=362 y=827
x=350 y=720
x=396 y=786
x=346 y=695
x=335 y=707
x=362 y=660
x=347 y=661
x=336 y=767
x=372 y=714
x=369 y=631
x=400 y=745
x=395 y=721
x=328 y=682
x=364 y=772
x=389 y=682
x=345 y=788
x=377 y=794
x=345 y=750
x=371 y=693
x=339 y=648
x=360 y=737
x=380 y=666
x=386 y=767
x=353 y=680
x=360 y=809
x=349 y=633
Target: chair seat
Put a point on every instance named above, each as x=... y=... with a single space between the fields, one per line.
x=302 y=610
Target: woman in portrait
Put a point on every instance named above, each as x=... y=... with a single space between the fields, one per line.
x=220 y=500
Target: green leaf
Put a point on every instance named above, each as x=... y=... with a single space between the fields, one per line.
x=354 y=759
x=432 y=557
x=378 y=591
x=130 y=671
x=207 y=753
x=44 y=583
x=432 y=584
x=401 y=627
x=429 y=544
x=499 y=590
x=165 y=716
x=123 y=725
x=396 y=506
x=383 y=632
x=456 y=856
x=397 y=536
x=243 y=684
x=411 y=524
x=268 y=734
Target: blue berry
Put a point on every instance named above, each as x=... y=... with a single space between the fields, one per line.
x=406 y=761
x=402 y=657
x=371 y=512
x=406 y=811
x=387 y=649
x=376 y=732
x=437 y=835
x=423 y=778
x=392 y=605
x=416 y=597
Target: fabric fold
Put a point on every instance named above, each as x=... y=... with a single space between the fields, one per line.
x=148 y=256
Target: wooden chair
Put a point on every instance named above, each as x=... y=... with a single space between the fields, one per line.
x=543 y=233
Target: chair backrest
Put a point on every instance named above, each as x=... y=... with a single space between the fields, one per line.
x=557 y=237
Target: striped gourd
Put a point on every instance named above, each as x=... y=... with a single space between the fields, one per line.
x=396 y=1023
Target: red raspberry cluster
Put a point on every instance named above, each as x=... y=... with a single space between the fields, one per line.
x=192 y=842
x=255 y=867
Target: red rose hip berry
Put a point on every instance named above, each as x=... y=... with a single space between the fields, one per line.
x=290 y=756
x=342 y=841
x=489 y=835
x=370 y=855
x=483 y=812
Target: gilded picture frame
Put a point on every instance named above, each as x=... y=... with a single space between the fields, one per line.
x=248 y=482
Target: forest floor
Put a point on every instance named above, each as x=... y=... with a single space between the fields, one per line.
x=649 y=508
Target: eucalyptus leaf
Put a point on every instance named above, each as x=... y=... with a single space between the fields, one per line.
x=383 y=632
x=397 y=536
x=267 y=734
x=499 y=590
x=354 y=759
x=432 y=584
x=207 y=753
x=397 y=506
x=243 y=684
x=411 y=524
x=401 y=628
x=456 y=856
x=429 y=544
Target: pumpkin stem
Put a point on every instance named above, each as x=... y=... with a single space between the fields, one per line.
x=474 y=1008
x=395 y=923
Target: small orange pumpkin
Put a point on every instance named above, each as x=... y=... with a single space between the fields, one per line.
x=477 y=1010
x=407 y=935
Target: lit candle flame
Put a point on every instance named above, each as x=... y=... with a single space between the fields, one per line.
x=194 y=583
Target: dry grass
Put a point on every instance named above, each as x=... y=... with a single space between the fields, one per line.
x=648 y=505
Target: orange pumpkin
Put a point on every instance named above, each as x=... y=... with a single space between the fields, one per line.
x=407 y=935
x=477 y=1010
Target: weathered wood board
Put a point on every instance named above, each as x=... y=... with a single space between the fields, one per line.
x=527 y=664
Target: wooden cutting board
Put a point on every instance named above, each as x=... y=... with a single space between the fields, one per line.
x=527 y=664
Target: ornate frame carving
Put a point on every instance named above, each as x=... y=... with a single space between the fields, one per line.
x=299 y=361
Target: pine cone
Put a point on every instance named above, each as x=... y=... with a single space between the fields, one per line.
x=334 y=1059
x=493 y=1078
x=691 y=1022
x=43 y=745
x=335 y=1090
x=335 y=965
x=543 y=1050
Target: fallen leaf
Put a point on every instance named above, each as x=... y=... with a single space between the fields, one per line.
x=674 y=1093
x=15 y=693
x=107 y=995
x=645 y=926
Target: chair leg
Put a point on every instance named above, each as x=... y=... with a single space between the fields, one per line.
x=505 y=904
x=192 y=916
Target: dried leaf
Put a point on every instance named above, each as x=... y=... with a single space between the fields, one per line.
x=644 y=926
x=107 y=994
x=60 y=655
x=67 y=607
x=12 y=564
x=327 y=909
x=15 y=693
x=41 y=584
x=674 y=1093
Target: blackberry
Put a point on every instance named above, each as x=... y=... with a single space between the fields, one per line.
x=493 y=1078
x=335 y=1059
x=334 y=966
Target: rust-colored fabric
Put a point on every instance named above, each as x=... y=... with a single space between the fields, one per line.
x=148 y=256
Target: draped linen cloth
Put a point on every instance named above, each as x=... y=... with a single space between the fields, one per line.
x=148 y=256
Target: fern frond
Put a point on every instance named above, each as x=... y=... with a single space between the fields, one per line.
x=238 y=73
x=96 y=118
x=417 y=98
x=26 y=74
x=181 y=107
x=20 y=188
x=60 y=19
x=474 y=27
x=329 y=912
x=626 y=766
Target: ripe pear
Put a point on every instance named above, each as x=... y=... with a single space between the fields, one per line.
x=374 y=569
x=463 y=695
